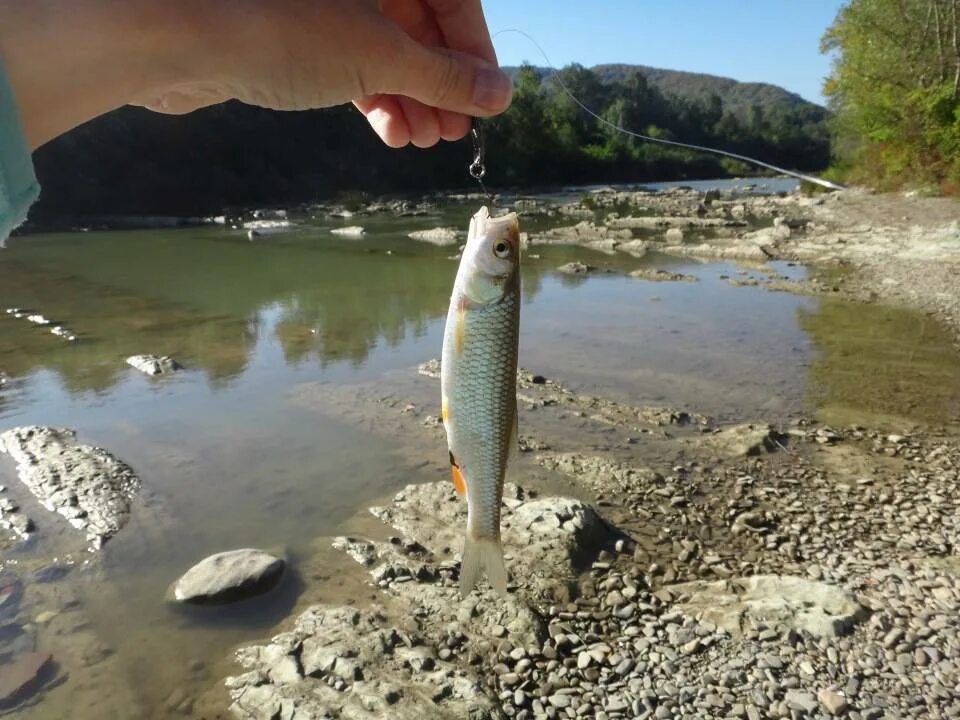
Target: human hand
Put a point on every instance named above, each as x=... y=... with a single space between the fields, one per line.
x=417 y=69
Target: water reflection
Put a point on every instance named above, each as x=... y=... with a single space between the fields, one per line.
x=880 y=365
x=201 y=295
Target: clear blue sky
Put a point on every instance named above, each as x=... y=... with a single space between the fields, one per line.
x=774 y=41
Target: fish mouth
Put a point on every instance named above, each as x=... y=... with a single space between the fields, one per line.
x=506 y=226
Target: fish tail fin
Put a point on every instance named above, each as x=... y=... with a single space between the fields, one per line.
x=481 y=557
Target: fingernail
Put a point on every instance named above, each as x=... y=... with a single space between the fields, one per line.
x=491 y=89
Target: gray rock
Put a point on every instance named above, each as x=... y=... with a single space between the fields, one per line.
x=832 y=701
x=351 y=231
x=154 y=364
x=85 y=484
x=229 y=576
x=790 y=602
x=801 y=700
x=657 y=275
x=744 y=440
x=576 y=268
x=547 y=539
x=437 y=236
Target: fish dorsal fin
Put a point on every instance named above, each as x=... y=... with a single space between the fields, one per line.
x=459 y=482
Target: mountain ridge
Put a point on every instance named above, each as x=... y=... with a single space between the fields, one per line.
x=737 y=95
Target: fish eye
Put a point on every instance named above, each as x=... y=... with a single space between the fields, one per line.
x=501 y=249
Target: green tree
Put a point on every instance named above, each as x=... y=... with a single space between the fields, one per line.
x=895 y=90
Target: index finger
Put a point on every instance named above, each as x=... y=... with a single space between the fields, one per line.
x=464 y=27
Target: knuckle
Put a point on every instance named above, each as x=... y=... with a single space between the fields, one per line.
x=448 y=80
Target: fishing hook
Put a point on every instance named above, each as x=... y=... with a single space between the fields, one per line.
x=478 y=168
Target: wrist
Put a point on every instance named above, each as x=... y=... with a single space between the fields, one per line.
x=69 y=61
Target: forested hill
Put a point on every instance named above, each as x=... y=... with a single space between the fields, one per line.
x=737 y=96
x=134 y=161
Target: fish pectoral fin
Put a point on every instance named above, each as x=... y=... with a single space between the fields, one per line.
x=456 y=474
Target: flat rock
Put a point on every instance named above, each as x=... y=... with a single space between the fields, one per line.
x=87 y=485
x=438 y=236
x=351 y=231
x=259 y=228
x=780 y=601
x=657 y=275
x=744 y=440
x=154 y=364
x=229 y=576
x=601 y=474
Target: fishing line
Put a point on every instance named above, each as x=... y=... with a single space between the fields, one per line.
x=478 y=138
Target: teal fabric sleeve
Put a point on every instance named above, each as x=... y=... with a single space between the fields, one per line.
x=18 y=183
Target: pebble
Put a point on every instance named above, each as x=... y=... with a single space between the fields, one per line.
x=832 y=701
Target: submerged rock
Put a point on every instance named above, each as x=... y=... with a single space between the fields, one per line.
x=87 y=485
x=657 y=275
x=576 y=268
x=438 y=236
x=775 y=601
x=229 y=576
x=18 y=675
x=11 y=591
x=154 y=364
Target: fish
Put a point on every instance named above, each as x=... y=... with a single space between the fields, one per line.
x=478 y=380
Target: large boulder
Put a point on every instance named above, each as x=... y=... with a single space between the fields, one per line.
x=229 y=576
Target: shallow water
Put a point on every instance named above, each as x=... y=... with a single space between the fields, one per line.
x=227 y=460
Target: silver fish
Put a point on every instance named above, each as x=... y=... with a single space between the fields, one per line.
x=478 y=379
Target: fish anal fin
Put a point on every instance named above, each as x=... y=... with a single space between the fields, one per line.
x=459 y=481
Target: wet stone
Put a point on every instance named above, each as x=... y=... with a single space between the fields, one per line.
x=229 y=576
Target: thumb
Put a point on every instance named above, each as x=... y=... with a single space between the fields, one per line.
x=450 y=80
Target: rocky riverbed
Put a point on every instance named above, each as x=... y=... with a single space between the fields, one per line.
x=894 y=248
x=661 y=566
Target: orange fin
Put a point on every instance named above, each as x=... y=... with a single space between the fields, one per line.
x=459 y=482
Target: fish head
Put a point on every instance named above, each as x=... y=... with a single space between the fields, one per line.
x=491 y=257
